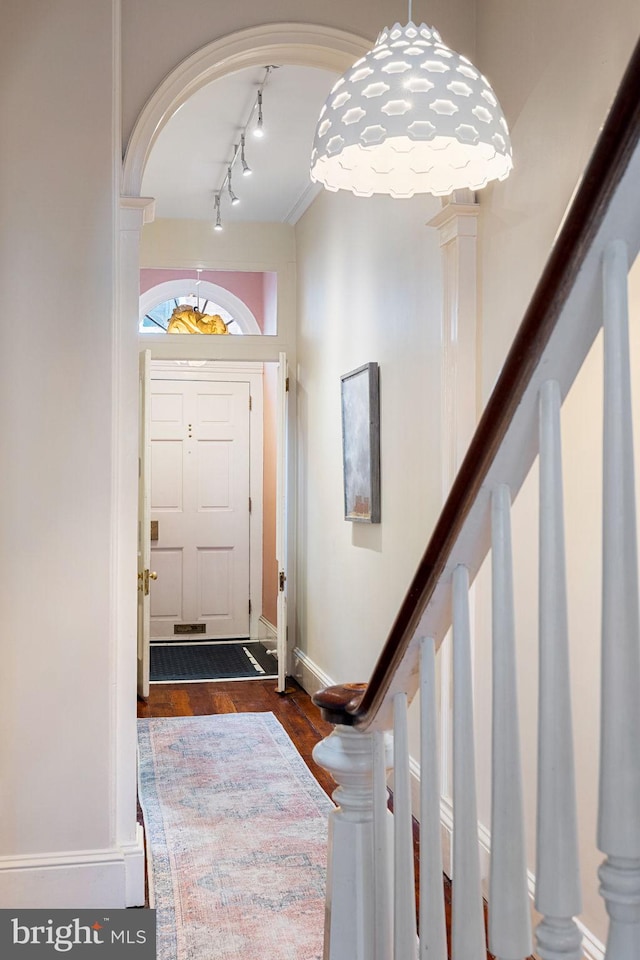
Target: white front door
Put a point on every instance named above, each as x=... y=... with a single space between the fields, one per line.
x=200 y=508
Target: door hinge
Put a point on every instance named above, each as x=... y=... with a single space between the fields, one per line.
x=286 y=385
x=250 y=403
x=282 y=579
x=249 y=607
x=249 y=504
x=143 y=581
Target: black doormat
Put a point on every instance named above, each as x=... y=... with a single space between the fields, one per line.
x=212 y=661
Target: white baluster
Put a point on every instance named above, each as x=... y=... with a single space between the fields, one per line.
x=509 y=911
x=404 y=911
x=468 y=940
x=619 y=810
x=433 y=931
x=349 y=915
x=383 y=840
x=558 y=896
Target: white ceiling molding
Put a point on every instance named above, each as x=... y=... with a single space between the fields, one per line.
x=303 y=202
x=172 y=289
x=298 y=44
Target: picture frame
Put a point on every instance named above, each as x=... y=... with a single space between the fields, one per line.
x=360 y=404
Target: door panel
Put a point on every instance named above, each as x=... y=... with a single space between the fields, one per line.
x=200 y=482
x=215 y=581
x=215 y=480
x=166 y=413
x=166 y=475
x=166 y=603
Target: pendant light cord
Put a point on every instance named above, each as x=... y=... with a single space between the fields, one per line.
x=410 y=10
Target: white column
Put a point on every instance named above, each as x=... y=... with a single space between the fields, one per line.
x=558 y=896
x=433 y=930
x=134 y=212
x=468 y=939
x=619 y=810
x=350 y=895
x=509 y=912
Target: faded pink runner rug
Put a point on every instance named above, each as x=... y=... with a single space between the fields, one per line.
x=236 y=829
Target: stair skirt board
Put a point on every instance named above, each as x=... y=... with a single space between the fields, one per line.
x=210 y=661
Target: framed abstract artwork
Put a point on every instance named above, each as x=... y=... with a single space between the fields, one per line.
x=360 y=396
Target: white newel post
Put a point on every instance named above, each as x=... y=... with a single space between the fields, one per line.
x=350 y=916
x=619 y=809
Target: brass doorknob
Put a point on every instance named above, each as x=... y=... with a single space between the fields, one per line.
x=153 y=575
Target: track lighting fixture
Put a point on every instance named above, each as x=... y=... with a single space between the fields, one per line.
x=218 y=224
x=258 y=130
x=239 y=149
x=246 y=169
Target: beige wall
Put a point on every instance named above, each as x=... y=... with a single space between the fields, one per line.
x=555 y=67
x=57 y=713
x=369 y=289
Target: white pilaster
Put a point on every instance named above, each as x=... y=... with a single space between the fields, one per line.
x=133 y=213
x=457 y=224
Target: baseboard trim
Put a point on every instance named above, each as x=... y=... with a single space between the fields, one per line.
x=267 y=634
x=270 y=630
x=74 y=880
x=134 y=863
x=308 y=674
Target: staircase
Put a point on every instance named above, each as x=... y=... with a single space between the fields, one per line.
x=370 y=889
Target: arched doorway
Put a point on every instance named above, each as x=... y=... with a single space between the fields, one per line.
x=295 y=44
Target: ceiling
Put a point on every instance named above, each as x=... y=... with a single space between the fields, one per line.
x=190 y=157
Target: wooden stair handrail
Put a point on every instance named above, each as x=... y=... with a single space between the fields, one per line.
x=609 y=160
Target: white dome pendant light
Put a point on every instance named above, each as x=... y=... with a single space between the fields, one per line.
x=412 y=116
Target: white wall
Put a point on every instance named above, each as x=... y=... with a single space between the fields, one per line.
x=369 y=289
x=57 y=759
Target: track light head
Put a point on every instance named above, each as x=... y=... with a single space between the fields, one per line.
x=246 y=169
x=234 y=200
x=218 y=223
x=258 y=130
